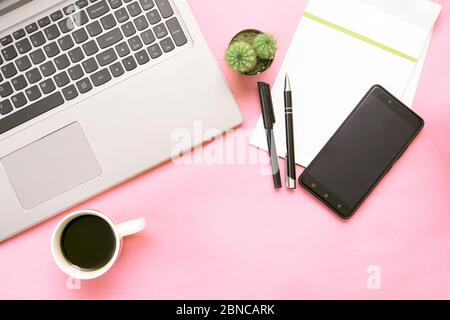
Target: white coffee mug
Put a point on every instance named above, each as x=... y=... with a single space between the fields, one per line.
x=120 y=230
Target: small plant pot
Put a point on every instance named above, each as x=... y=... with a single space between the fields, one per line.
x=248 y=36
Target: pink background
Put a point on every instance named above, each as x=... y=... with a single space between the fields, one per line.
x=223 y=232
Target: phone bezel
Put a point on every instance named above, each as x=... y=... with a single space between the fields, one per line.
x=319 y=191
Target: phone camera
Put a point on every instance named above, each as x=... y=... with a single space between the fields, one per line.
x=389 y=101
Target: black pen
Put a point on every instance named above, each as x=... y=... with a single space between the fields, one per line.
x=290 y=153
x=265 y=99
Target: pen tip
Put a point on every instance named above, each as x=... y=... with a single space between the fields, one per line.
x=287 y=83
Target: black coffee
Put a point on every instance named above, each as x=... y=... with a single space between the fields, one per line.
x=88 y=242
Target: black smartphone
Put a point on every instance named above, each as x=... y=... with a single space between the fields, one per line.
x=361 y=151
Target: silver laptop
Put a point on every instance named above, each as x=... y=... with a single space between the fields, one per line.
x=94 y=92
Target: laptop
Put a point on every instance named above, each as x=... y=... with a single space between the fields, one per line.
x=94 y=92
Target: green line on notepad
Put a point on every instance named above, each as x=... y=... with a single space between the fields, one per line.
x=359 y=36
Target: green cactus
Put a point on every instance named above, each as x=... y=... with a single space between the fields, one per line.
x=241 y=57
x=265 y=46
x=251 y=52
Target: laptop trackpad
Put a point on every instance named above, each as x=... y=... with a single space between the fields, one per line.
x=51 y=166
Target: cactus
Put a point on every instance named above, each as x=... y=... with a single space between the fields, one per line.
x=251 y=52
x=265 y=46
x=241 y=57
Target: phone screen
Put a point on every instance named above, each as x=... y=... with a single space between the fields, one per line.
x=361 y=151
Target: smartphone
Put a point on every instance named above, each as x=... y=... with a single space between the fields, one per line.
x=361 y=151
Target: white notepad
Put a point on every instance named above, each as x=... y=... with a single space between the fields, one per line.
x=340 y=49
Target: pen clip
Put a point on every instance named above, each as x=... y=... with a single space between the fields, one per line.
x=265 y=99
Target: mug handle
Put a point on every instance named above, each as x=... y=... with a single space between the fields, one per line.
x=128 y=228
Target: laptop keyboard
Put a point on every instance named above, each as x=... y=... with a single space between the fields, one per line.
x=81 y=47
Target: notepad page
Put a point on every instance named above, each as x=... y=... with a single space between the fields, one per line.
x=340 y=49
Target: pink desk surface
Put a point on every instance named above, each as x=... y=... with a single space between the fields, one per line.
x=222 y=232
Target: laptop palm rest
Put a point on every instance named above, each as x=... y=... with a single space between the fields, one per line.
x=51 y=166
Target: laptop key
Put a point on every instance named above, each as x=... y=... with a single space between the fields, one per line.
x=33 y=75
x=31 y=27
x=44 y=22
x=5 y=107
x=19 y=34
x=19 y=100
x=164 y=7
x=90 y=65
x=81 y=3
x=101 y=77
x=56 y=15
x=84 y=85
x=160 y=31
x=90 y=48
x=37 y=39
x=9 y=53
x=129 y=63
x=70 y=92
x=110 y=38
x=62 y=62
x=51 y=49
x=6 y=40
x=154 y=17
x=108 y=22
x=116 y=69
x=61 y=79
x=154 y=51
x=147 y=4
x=76 y=72
x=33 y=93
x=66 y=25
x=148 y=37
x=19 y=82
x=5 y=89
x=23 y=63
x=121 y=15
x=31 y=111
x=106 y=57
x=9 y=70
x=80 y=35
x=142 y=57
x=122 y=49
x=98 y=9
x=52 y=32
x=69 y=9
x=141 y=23
x=167 y=45
x=76 y=55
x=80 y=18
x=47 y=68
x=135 y=43
x=134 y=9
x=23 y=46
x=47 y=86
x=37 y=56
x=94 y=28
x=66 y=42
x=128 y=29
x=115 y=3
x=176 y=31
